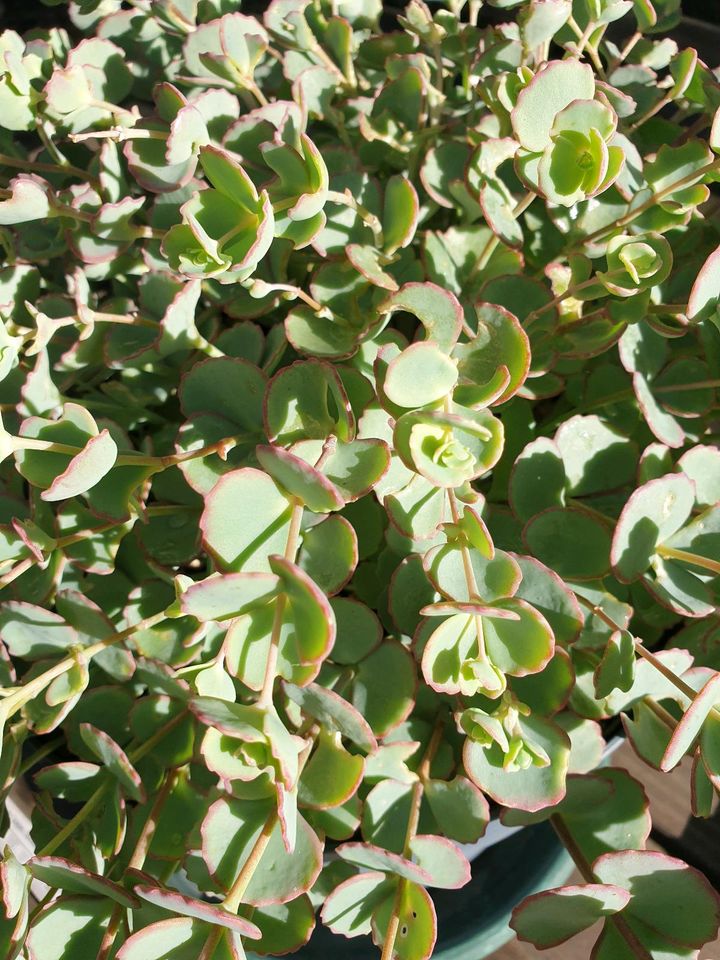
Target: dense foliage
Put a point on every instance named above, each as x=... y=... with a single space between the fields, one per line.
x=359 y=390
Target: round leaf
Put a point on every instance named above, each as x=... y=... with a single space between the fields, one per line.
x=652 y=514
x=550 y=918
x=422 y=374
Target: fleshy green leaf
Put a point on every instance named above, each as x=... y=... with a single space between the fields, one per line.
x=554 y=916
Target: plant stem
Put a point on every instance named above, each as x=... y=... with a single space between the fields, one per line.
x=50 y=146
x=147 y=746
x=79 y=818
x=111 y=932
x=236 y=892
x=15 y=701
x=369 y=219
x=568 y=841
x=667 y=307
x=695 y=559
x=291 y=548
x=669 y=674
x=39 y=754
x=490 y=247
x=37 y=165
x=640 y=649
x=90 y=805
x=470 y=581
x=121 y=134
x=583 y=41
x=16 y=571
x=583 y=37
x=137 y=860
x=649 y=203
x=135 y=458
x=626 y=50
x=660 y=712
x=699 y=384
x=413 y=819
x=570 y=292
x=650 y=112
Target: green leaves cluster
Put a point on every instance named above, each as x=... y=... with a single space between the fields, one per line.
x=358 y=462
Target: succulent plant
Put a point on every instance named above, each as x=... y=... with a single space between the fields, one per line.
x=359 y=466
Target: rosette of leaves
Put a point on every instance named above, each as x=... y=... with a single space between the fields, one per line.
x=565 y=134
x=636 y=263
x=226 y=229
x=358 y=465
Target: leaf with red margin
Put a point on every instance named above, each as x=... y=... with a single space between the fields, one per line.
x=62 y=874
x=438 y=310
x=446 y=864
x=400 y=212
x=180 y=938
x=332 y=710
x=349 y=907
x=329 y=553
x=663 y=425
x=654 y=512
x=385 y=686
x=496 y=361
x=705 y=293
x=84 y=470
x=309 y=610
x=459 y=807
x=229 y=832
x=647 y=732
x=619 y=821
x=550 y=918
x=301 y=480
x=196 y=909
x=246 y=519
x=371 y=857
x=331 y=776
x=83 y=921
x=222 y=597
x=672 y=904
x=690 y=726
x=14 y=883
x=702 y=791
x=298 y=400
x=417 y=930
x=354 y=468
x=551 y=596
x=115 y=759
x=285 y=927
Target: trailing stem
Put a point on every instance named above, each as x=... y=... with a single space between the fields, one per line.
x=413 y=819
x=641 y=650
x=137 y=859
x=90 y=805
x=291 y=549
x=649 y=203
x=15 y=700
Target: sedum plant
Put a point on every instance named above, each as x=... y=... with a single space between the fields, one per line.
x=359 y=452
